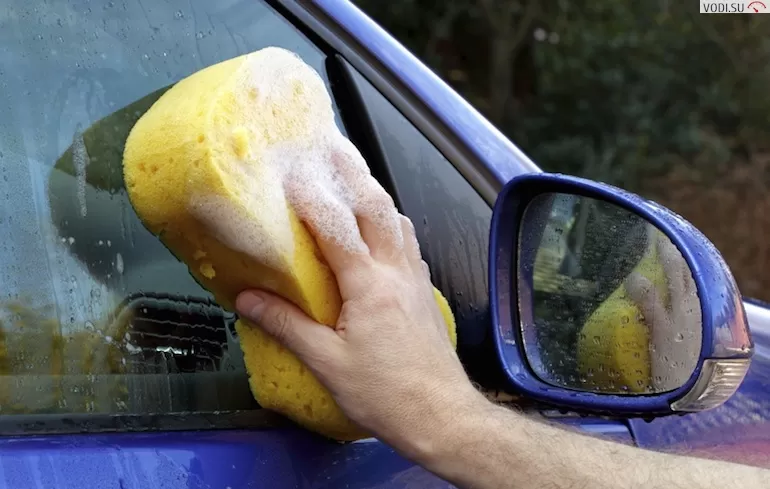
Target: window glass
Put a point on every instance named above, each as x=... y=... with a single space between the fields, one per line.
x=96 y=316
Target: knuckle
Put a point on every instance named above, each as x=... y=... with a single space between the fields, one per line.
x=407 y=223
x=410 y=234
x=387 y=300
x=279 y=322
x=359 y=271
x=382 y=199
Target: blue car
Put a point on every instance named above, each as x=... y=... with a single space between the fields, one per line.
x=117 y=370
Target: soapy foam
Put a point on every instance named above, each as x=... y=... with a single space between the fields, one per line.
x=291 y=152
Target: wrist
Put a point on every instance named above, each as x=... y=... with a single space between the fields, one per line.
x=477 y=446
x=455 y=426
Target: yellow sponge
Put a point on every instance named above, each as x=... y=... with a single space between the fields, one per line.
x=613 y=346
x=206 y=169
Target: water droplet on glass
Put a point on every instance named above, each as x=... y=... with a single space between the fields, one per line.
x=119 y=263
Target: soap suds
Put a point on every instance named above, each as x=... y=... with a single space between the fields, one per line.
x=330 y=184
x=268 y=238
x=288 y=150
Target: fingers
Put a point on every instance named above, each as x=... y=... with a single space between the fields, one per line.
x=426 y=271
x=373 y=207
x=382 y=234
x=380 y=224
x=645 y=295
x=354 y=221
x=676 y=270
x=336 y=233
x=289 y=325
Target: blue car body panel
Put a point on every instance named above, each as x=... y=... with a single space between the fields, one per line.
x=291 y=457
x=201 y=460
x=737 y=431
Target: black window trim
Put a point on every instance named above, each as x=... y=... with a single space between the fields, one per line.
x=93 y=424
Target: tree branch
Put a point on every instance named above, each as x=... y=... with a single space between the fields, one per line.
x=487 y=6
x=442 y=28
x=505 y=46
x=522 y=29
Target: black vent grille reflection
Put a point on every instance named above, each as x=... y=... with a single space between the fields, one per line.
x=172 y=334
x=157 y=354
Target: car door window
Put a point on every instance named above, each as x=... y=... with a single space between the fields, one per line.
x=96 y=316
x=450 y=217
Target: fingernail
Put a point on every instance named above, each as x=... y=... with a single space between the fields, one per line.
x=250 y=304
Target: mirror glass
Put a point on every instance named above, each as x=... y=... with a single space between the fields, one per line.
x=608 y=303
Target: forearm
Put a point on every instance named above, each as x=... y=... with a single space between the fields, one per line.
x=493 y=447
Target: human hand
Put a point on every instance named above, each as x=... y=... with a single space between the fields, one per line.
x=675 y=327
x=388 y=362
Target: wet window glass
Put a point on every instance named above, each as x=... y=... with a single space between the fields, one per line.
x=96 y=316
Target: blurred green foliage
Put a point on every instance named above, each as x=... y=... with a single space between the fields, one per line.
x=614 y=90
x=649 y=95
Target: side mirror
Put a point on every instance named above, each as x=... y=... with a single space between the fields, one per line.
x=605 y=302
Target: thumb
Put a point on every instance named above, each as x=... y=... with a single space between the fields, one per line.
x=288 y=324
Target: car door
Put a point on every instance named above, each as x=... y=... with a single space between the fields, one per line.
x=105 y=334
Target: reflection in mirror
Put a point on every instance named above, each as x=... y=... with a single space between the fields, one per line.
x=608 y=303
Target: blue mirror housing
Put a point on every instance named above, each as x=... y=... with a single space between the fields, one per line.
x=522 y=234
